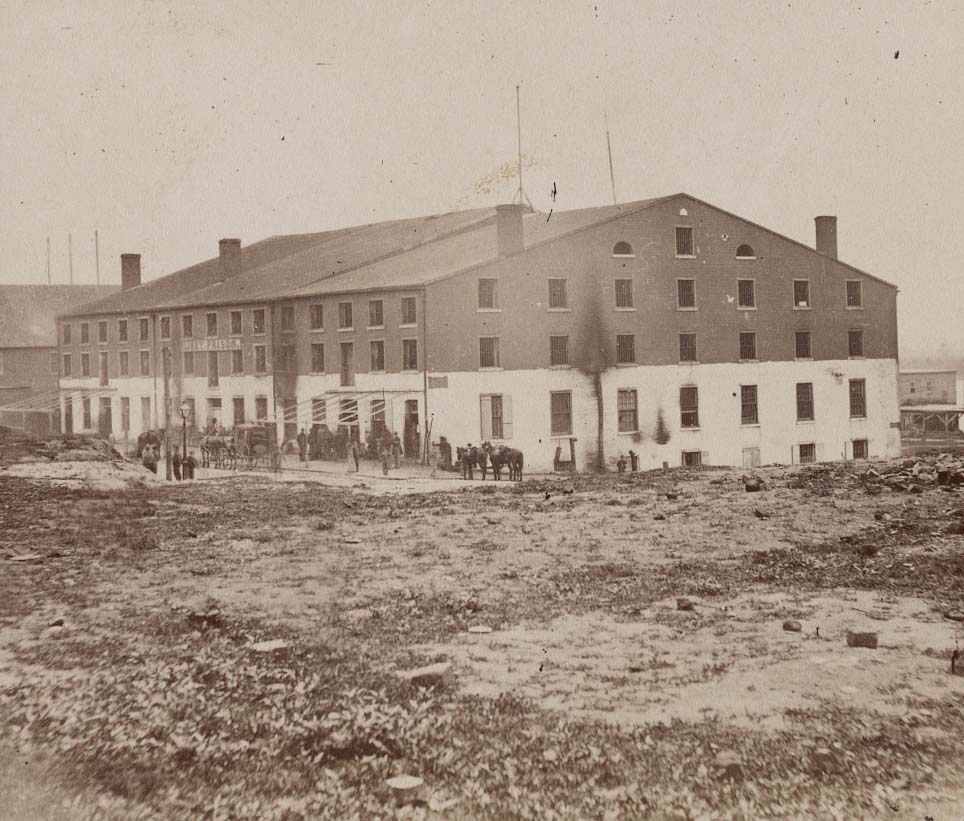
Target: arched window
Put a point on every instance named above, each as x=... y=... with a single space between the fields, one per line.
x=745 y=252
x=622 y=249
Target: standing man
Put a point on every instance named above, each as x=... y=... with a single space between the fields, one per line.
x=396 y=450
x=190 y=463
x=302 y=444
x=176 y=463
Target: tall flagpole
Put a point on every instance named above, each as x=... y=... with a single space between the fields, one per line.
x=518 y=121
x=609 y=148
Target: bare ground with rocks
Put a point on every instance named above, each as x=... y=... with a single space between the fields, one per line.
x=603 y=647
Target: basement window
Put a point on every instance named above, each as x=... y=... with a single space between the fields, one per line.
x=860 y=448
x=692 y=458
x=808 y=453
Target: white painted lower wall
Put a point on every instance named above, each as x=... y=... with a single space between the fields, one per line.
x=455 y=410
x=721 y=438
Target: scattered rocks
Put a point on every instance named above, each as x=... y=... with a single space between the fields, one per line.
x=760 y=514
x=406 y=788
x=433 y=675
x=868 y=640
x=683 y=603
x=480 y=628
x=824 y=760
x=753 y=484
x=205 y=619
x=728 y=765
x=270 y=646
x=792 y=626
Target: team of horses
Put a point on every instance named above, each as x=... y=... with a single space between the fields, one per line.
x=486 y=455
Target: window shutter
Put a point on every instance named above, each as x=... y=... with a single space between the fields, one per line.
x=486 y=410
x=506 y=417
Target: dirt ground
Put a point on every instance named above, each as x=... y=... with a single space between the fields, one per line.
x=133 y=681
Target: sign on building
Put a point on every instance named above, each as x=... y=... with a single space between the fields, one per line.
x=211 y=344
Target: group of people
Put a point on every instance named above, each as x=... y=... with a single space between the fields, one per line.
x=181 y=467
x=633 y=461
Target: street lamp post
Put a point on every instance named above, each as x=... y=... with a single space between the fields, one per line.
x=185 y=410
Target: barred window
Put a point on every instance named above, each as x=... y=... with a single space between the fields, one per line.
x=801 y=293
x=235 y=323
x=804 y=401
x=316 y=317
x=287 y=318
x=855 y=343
x=558 y=350
x=488 y=352
x=625 y=349
x=802 y=343
x=692 y=458
x=746 y=293
x=860 y=448
x=557 y=294
x=858 y=398
x=689 y=407
x=854 y=294
x=344 y=316
x=748 y=406
x=747 y=345
x=376 y=313
x=684 y=241
x=408 y=310
x=626 y=408
x=560 y=407
x=410 y=354
x=317 y=357
x=377 y=355
x=808 y=453
x=488 y=293
x=686 y=293
x=624 y=293
x=687 y=348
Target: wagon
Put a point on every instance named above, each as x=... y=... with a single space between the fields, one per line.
x=256 y=445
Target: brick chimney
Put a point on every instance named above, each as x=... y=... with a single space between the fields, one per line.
x=230 y=257
x=508 y=222
x=827 y=236
x=130 y=271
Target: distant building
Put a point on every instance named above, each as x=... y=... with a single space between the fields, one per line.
x=29 y=362
x=667 y=326
x=928 y=387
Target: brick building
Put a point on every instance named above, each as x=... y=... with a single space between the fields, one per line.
x=29 y=371
x=667 y=326
x=928 y=387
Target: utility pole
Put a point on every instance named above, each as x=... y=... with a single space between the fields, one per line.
x=609 y=148
x=166 y=355
x=523 y=199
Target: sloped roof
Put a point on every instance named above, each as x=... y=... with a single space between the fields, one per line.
x=28 y=312
x=398 y=254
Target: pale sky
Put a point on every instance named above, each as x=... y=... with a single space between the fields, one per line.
x=168 y=126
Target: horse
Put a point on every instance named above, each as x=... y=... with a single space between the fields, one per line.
x=213 y=450
x=502 y=455
x=471 y=456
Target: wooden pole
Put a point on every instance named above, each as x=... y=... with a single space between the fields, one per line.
x=166 y=353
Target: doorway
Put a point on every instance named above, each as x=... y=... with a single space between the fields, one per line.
x=411 y=441
x=104 y=423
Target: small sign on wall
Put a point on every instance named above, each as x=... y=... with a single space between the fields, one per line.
x=211 y=344
x=438 y=381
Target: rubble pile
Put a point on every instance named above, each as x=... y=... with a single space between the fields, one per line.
x=17 y=446
x=913 y=475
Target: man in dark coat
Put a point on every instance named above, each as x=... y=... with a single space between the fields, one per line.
x=302 y=444
x=176 y=463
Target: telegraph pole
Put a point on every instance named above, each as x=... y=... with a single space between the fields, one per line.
x=167 y=413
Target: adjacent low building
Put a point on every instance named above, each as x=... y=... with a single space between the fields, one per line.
x=669 y=327
x=29 y=362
